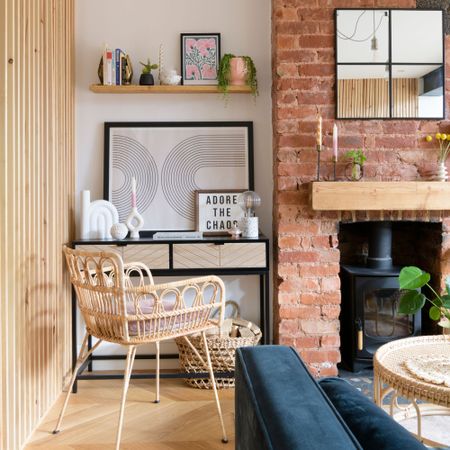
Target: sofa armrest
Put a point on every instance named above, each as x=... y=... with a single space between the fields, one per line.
x=280 y=406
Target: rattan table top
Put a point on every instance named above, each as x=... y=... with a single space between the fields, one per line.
x=389 y=366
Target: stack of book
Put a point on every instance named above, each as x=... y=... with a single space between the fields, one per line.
x=114 y=67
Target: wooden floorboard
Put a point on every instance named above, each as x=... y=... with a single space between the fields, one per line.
x=186 y=418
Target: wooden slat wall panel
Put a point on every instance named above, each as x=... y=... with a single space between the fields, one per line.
x=370 y=97
x=36 y=201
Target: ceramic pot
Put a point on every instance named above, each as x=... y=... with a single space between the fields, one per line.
x=146 y=79
x=238 y=72
x=354 y=172
x=441 y=173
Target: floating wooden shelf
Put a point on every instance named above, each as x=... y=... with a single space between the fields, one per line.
x=163 y=89
x=380 y=196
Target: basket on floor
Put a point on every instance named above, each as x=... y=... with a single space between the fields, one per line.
x=222 y=351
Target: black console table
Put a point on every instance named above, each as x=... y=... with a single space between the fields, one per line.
x=218 y=255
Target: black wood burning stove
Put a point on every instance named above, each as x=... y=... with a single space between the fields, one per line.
x=370 y=297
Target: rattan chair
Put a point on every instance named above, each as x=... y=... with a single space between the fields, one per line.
x=121 y=304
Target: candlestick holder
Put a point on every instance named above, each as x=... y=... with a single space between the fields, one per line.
x=334 y=167
x=318 y=149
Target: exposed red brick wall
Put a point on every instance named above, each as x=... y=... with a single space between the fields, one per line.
x=307 y=289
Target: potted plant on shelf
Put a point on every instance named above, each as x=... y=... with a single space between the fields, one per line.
x=444 y=150
x=237 y=71
x=146 y=78
x=354 y=169
x=412 y=280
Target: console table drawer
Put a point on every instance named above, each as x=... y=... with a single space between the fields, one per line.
x=155 y=256
x=246 y=254
x=101 y=248
x=196 y=256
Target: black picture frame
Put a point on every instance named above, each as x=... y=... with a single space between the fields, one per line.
x=218 y=55
x=166 y=169
x=390 y=63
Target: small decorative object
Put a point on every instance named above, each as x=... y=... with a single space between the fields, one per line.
x=146 y=78
x=335 y=150
x=237 y=71
x=218 y=211
x=134 y=220
x=119 y=231
x=412 y=280
x=318 y=142
x=170 y=77
x=200 y=56
x=354 y=170
x=444 y=150
x=234 y=232
x=248 y=201
x=97 y=217
x=433 y=369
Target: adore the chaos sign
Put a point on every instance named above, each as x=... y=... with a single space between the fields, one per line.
x=218 y=211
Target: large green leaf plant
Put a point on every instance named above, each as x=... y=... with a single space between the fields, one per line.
x=411 y=279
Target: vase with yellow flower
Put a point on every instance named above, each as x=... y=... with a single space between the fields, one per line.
x=444 y=150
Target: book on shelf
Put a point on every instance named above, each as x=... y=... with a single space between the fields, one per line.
x=114 y=67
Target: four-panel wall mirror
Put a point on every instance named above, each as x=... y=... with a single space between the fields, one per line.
x=389 y=64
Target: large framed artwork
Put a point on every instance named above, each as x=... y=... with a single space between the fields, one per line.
x=200 y=58
x=170 y=162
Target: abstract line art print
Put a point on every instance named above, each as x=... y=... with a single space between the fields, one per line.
x=171 y=161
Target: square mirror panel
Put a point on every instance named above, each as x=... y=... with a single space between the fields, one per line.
x=389 y=64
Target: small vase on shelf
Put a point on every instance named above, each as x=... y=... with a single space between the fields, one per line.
x=441 y=173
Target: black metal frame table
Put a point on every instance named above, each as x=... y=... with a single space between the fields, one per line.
x=249 y=258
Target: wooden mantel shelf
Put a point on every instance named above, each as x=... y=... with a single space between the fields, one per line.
x=380 y=195
x=164 y=89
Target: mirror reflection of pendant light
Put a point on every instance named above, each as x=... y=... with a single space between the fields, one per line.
x=374 y=40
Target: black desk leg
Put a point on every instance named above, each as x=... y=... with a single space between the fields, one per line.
x=263 y=308
x=267 y=306
x=74 y=337
x=90 y=356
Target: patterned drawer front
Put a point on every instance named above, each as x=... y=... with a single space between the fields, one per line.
x=195 y=256
x=247 y=254
x=100 y=248
x=155 y=256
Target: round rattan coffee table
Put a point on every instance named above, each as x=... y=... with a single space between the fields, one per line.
x=392 y=376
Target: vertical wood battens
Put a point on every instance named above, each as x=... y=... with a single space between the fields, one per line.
x=36 y=199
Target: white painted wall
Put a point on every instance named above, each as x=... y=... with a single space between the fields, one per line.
x=139 y=27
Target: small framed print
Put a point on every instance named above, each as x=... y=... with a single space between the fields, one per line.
x=200 y=58
x=218 y=211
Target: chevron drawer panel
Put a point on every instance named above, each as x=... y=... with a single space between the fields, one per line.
x=246 y=254
x=155 y=256
x=196 y=256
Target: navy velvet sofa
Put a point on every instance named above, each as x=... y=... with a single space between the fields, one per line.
x=279 y=406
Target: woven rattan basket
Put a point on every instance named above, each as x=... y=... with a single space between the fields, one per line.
x=221 y=349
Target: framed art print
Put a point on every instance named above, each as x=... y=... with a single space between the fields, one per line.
x=170 y=162
x=217 y=211
x=200 y=58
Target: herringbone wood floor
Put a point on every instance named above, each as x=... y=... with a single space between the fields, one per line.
x=186 y=418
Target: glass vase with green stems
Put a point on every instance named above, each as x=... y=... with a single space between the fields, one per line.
x=414 y=282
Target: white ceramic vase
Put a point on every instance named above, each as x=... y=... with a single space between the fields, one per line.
x=119 y=231
x=442 y=173
x=134 y=222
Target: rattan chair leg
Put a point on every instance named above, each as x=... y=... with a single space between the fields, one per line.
x=213 y=382
x=157 y=372
x=126 y=381
x=82 y=356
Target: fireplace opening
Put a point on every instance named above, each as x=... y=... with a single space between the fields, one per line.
x=372 y=255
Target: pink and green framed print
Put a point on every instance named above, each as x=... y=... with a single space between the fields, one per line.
x=200 y=57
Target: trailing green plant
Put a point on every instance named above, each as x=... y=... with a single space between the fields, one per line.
x=224 y=73
x=411 y=279
x=148 y=67
x=356 y=156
